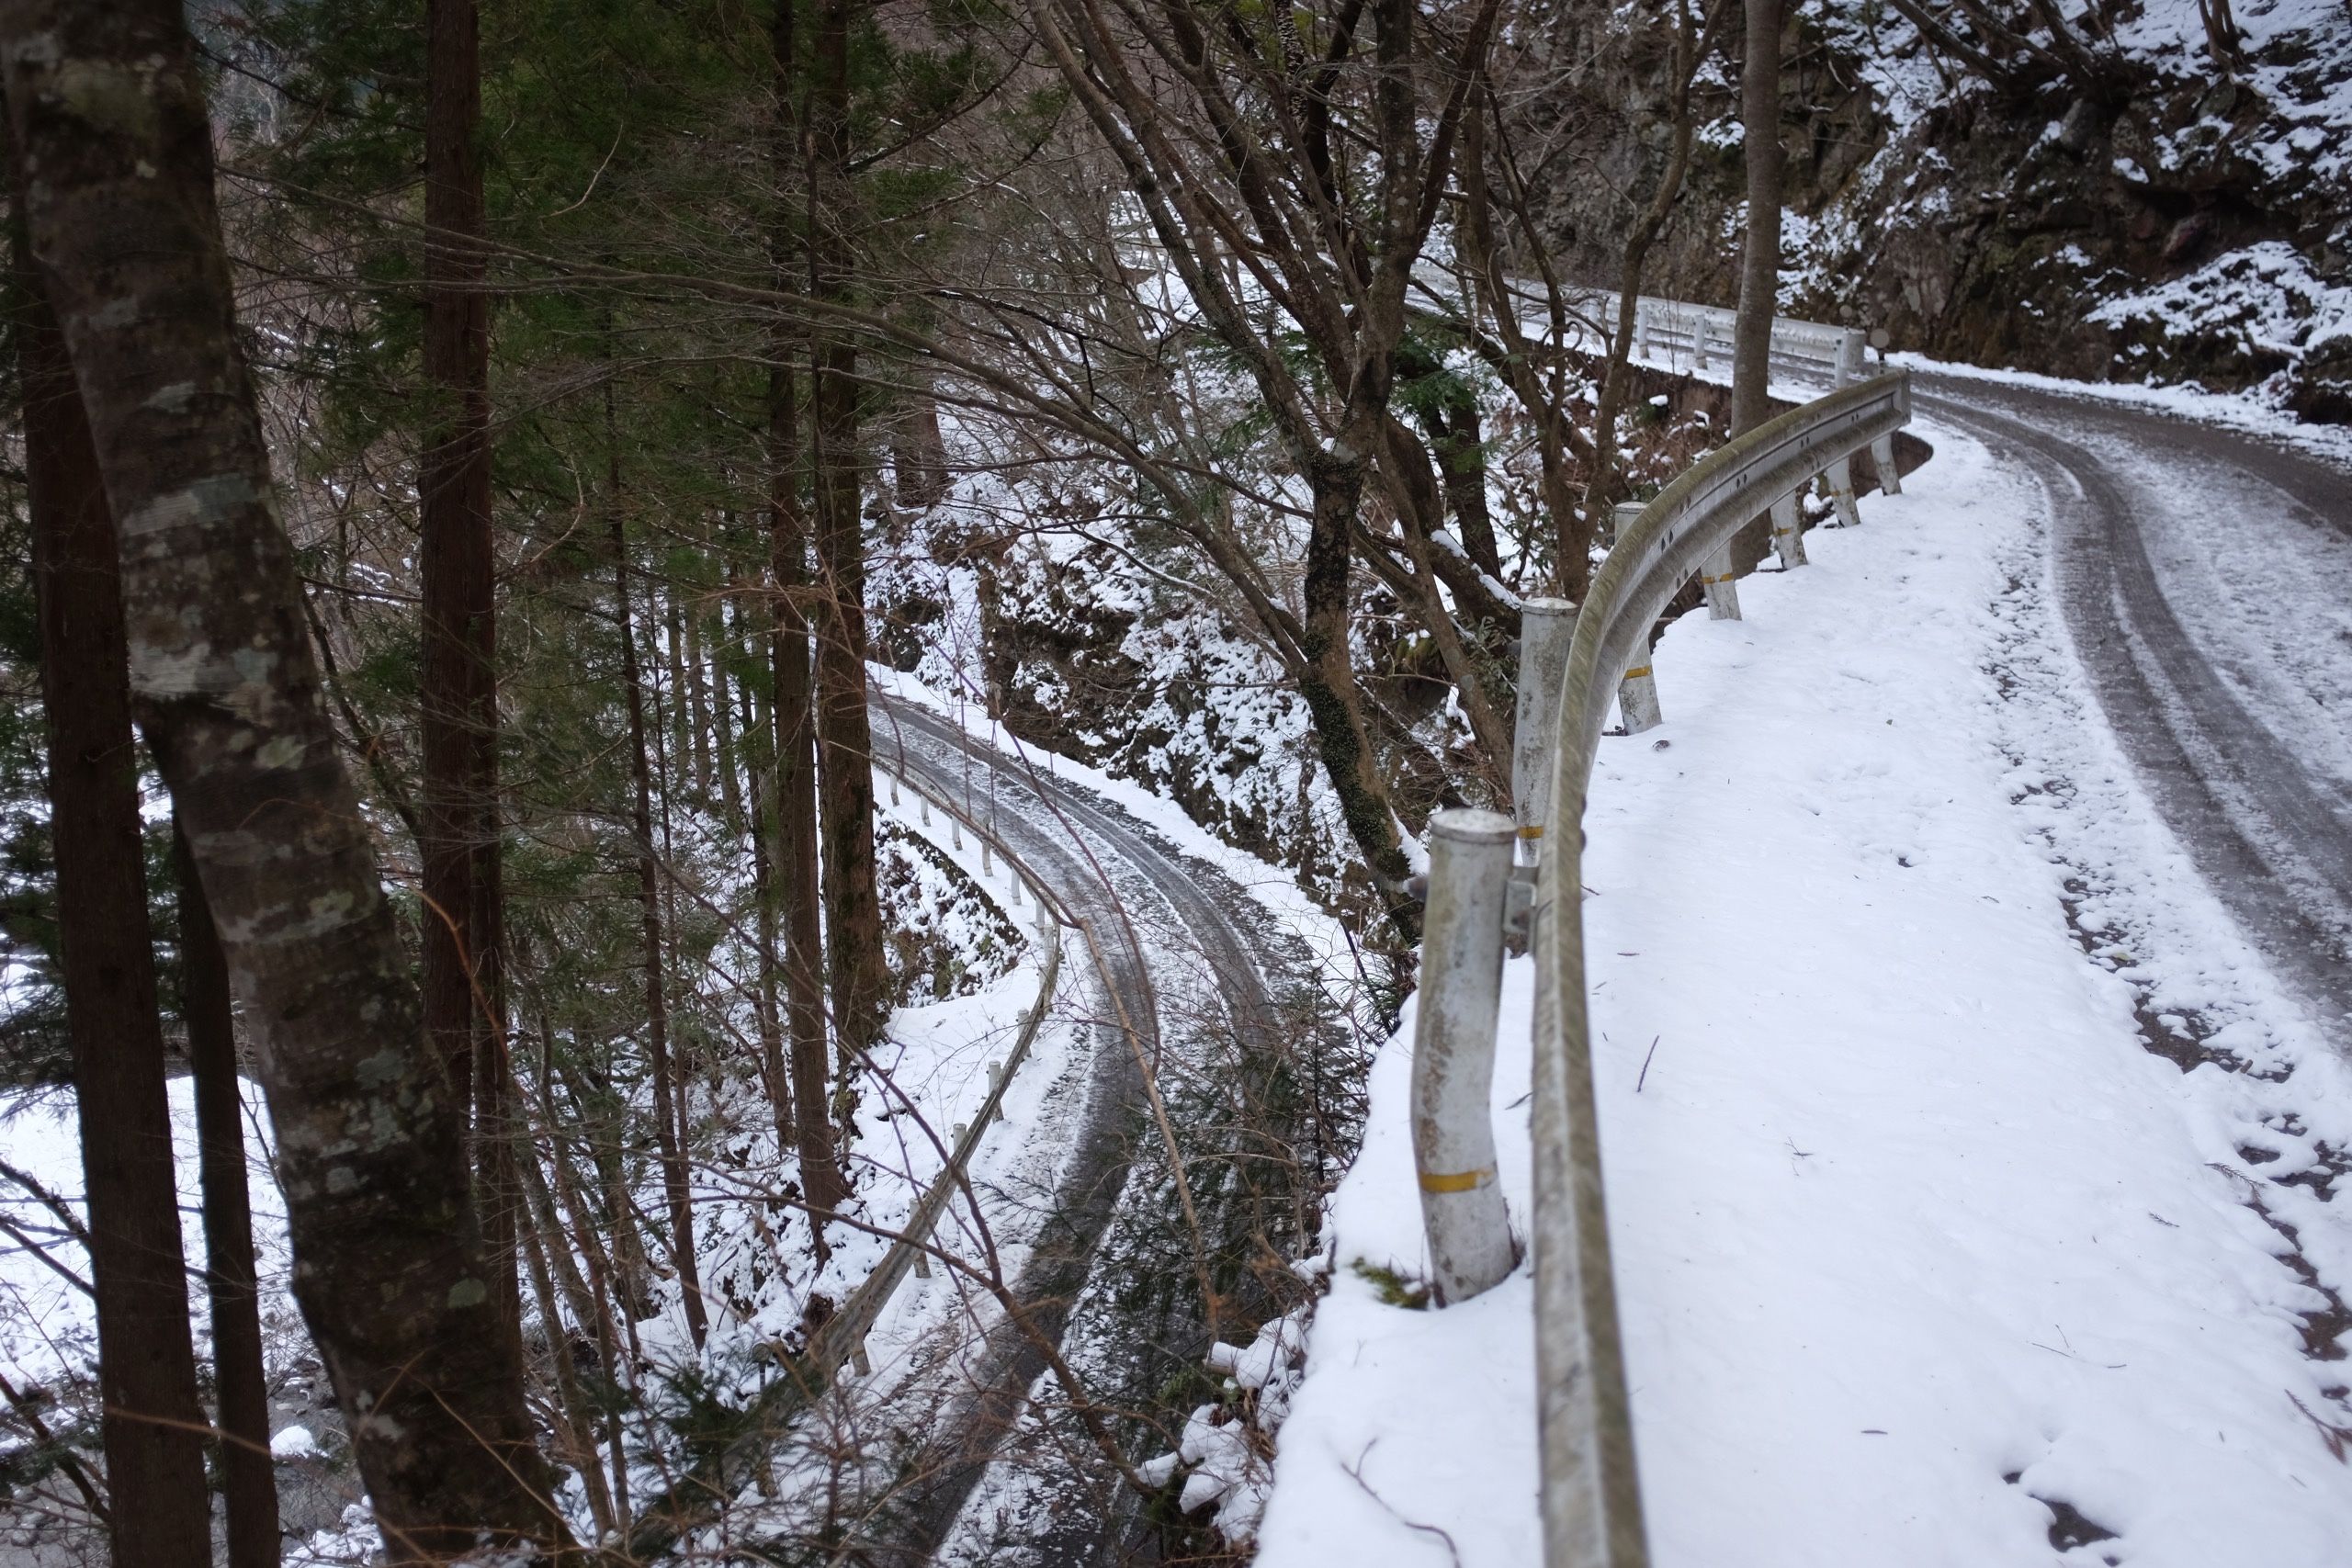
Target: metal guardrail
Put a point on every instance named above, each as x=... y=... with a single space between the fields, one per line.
x=699 y=1496
x=1591 y=1496
x=1703 y=330
x=1591 y=1492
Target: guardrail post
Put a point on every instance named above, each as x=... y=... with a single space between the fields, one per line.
x=1637 y=695
x=1622 y=516
x=1841 y=492
x=1699 y=340
x=1454 y=1053
x=1788 y=532
x=1850 y=357
x=1889 y=482
x=1722 y=584
x=1546 y=629
x=995 y=1085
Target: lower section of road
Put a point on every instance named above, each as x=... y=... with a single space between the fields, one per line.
x=1177 y=971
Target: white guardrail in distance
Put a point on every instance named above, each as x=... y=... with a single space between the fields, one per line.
x=723 y=1469
x=1704 y=333
x=1592 y=1494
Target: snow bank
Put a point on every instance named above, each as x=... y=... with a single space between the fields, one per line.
x=1915 y=1238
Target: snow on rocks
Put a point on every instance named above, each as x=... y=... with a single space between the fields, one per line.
x=294 y=1442
x=1225 y=1447
x=1923 y=1254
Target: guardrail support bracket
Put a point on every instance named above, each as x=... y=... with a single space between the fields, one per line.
x=1722 y=584
x=1841 y=492
x=1518 y=910
x=1637 y=697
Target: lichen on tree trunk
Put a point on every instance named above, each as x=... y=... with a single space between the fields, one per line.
x=389 y=1269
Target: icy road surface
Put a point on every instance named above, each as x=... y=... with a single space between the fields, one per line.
x=1180 y=941
x=2205 y=575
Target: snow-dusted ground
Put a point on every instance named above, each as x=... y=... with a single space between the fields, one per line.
x=46 y=1327
x=1273 y=888
x=936 y=1059
x=2276 y=133
x=1903 y=1205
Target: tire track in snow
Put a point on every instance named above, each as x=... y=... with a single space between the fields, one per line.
x=1109 y=872
x=2262 y=818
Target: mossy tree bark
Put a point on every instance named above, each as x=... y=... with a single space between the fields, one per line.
x=389 y=1269
x=150 y=1425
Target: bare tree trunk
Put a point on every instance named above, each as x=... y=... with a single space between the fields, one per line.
x=693 y=696
x=1542 y=392
x=1420 y=507
x=1460 y=447
x=685 y=741
x=607 y=1286
x=724 y=758
x=797 y=885
x=578 y=1430
x=1328 y=680
x=600 y=1115
x=669 y=1100
x=918 y=451
x=240 y=1386
x=1760 y=269
x=459 y=844
x=776 y=1077
x=844 y=732
x=390 y=1271
x=1692 y=43
x=151 y=1424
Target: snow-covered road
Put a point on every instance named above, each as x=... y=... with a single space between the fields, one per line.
x=2205 y=574
x=1172 y=946
x=1969 y=1166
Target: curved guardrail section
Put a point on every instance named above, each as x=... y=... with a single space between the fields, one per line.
x=1592 y=1510
x=727 y=1466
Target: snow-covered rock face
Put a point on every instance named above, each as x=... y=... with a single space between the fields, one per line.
x=2177 y=223
x=947 y=939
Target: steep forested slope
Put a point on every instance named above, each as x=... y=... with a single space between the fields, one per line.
x=2123 y=198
